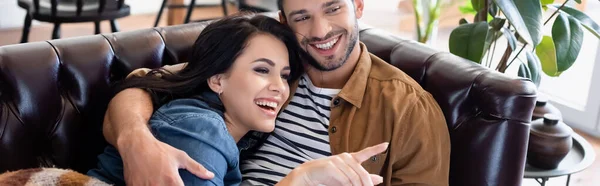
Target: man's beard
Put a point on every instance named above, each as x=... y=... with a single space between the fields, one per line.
x=342 y=60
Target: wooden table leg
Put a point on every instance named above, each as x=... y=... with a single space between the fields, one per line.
x=175 y=15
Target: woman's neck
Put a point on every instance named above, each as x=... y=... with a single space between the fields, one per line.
x=234 y=128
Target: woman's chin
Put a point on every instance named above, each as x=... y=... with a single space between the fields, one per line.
x=267 y=127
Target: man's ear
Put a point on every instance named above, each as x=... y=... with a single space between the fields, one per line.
x=359 y=5
x=215 y=83
x=282 y=18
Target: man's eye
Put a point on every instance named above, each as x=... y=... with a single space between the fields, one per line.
x=334 y=9
x=301 y=18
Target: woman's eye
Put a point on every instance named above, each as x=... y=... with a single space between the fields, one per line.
x=262 y=70
x=286 y=76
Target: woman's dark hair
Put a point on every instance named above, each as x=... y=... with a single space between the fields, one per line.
x=214 y=52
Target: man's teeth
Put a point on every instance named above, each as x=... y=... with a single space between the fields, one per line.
x=267 y=104
x=328 y=45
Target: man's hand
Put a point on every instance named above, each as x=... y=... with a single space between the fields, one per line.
x=147 y=161
x=341 y=169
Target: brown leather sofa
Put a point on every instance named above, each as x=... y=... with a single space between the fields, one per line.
x=53 y=96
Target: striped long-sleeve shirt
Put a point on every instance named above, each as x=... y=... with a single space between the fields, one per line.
x=300 y=135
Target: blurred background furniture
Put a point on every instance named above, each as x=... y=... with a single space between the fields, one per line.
x=190 y=8
x=174 y=15
x=53 y=96
x=72 y=11
x=580 y=157
x=258 y=5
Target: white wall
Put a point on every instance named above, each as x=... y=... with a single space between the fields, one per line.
x=152 y=6
x=12 y=16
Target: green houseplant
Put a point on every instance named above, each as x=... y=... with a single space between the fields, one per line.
x=427 y=13
x=521 y=23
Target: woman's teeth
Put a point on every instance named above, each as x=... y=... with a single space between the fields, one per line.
x=267 y=104
x=328 y=45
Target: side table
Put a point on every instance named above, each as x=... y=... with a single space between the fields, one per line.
x=579 y=158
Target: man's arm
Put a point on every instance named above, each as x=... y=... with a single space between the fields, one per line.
x=128 y=114
x=423 y=146
x=129 y=111
x=145 y=159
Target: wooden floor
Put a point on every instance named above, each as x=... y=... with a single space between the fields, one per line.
x=386 y=14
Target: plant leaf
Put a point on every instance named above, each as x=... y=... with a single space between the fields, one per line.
x=567 y=36
x=467 y=8
x=463 y=21
x=477 y=5
x=531 y=11
x=512 y=41
x=497 y=23
x=491 y=37
x=578 y=1
x=511 y=12
x=493 y=10
x=546 y=2
x=524 y=71
x=468 y=40
x=547 y=54
x=587 y=22
x=534 y=67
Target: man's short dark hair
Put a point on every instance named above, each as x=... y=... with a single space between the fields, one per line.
x=280 y=6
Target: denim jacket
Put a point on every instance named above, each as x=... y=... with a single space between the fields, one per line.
x=195 y=126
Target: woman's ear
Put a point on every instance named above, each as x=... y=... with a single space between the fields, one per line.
x=215 y=83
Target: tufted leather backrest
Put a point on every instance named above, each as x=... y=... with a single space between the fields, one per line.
x=53 y=96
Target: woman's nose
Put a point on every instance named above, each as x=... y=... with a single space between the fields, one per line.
x=278 y=85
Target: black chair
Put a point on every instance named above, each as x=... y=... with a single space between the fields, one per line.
x=242 y=6
x=190 y=9
x=72 y=11
x=263 y=6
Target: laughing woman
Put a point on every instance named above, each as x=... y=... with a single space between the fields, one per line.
x=236 y=81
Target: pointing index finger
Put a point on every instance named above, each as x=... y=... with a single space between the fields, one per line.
x=366 y=153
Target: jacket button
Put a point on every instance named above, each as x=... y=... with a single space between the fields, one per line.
x=373 y=158
x=336 y=101
x=333 y=129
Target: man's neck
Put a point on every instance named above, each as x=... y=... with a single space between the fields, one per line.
x=335 y=79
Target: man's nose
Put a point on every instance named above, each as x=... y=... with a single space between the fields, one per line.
x=320 y=28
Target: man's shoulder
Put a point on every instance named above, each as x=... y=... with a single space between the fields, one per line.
x=390 y=76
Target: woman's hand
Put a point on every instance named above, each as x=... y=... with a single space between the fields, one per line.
x=341 y=169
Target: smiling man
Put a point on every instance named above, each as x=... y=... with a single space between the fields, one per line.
x=350 y=99
x=347 y=100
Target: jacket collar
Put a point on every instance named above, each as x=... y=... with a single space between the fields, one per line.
x=354 y=89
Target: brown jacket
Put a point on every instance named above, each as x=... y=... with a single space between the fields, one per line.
x=380 y=103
